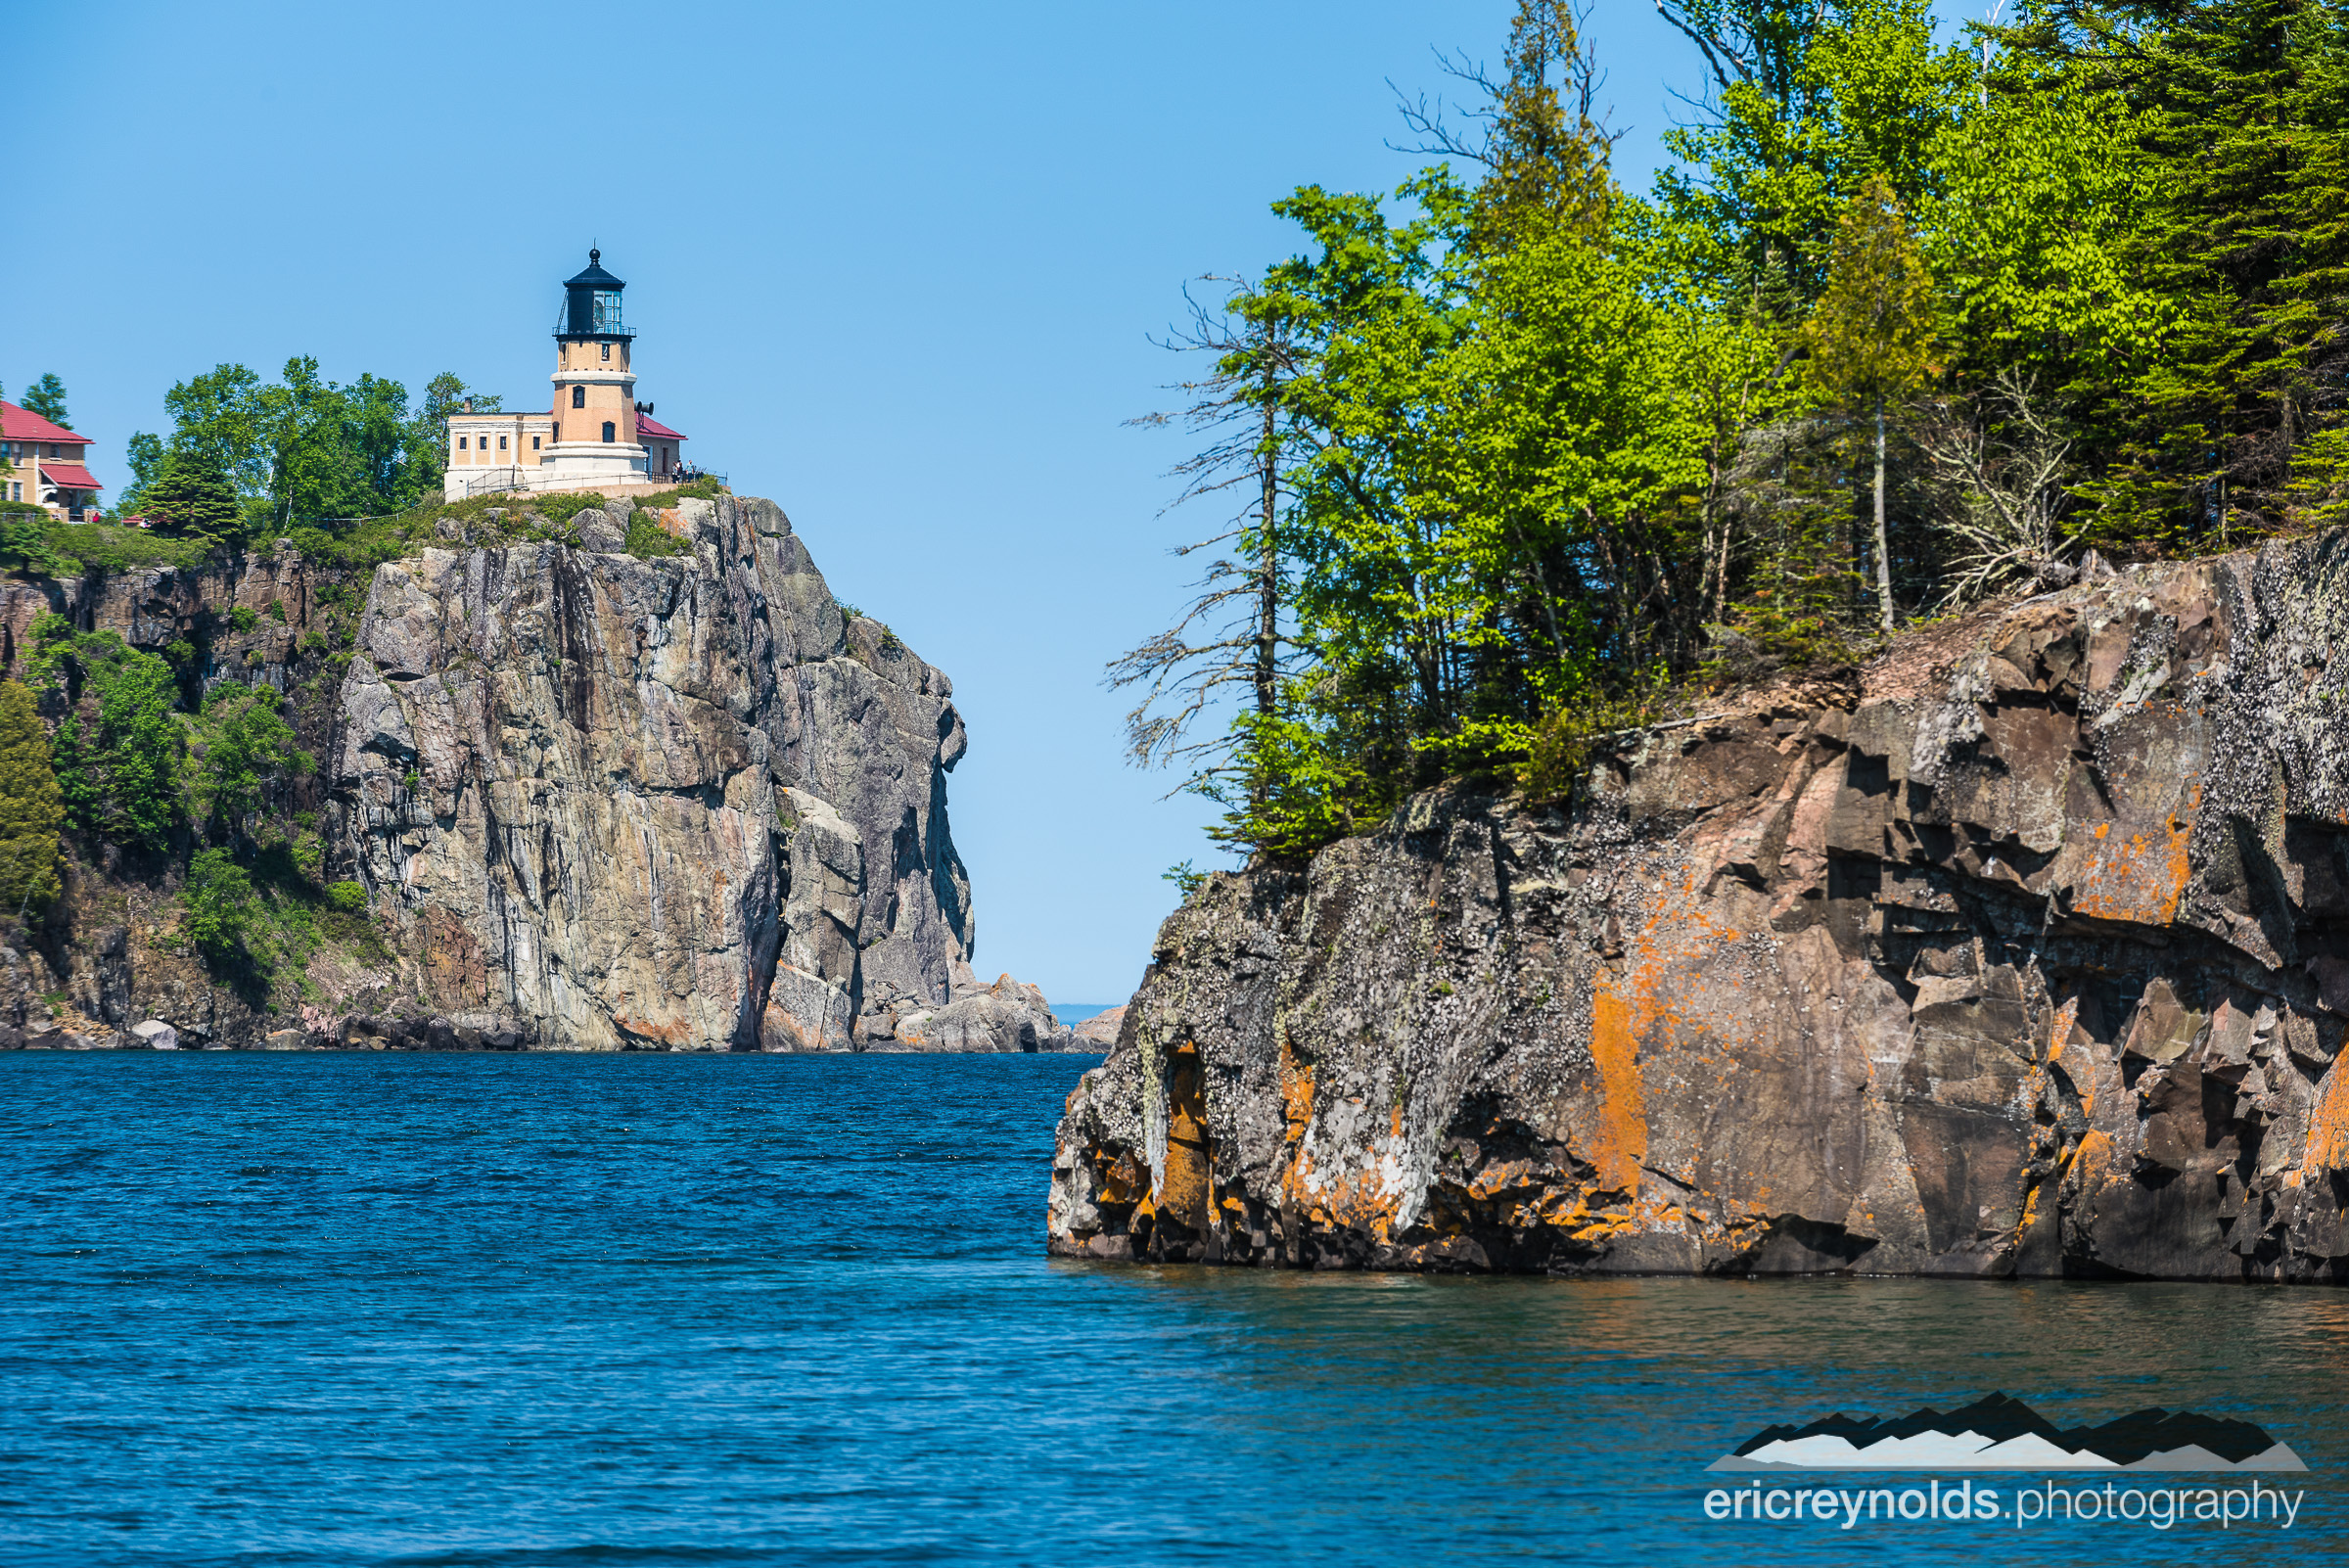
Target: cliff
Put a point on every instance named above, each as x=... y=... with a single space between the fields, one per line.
x=595 y=802
x=2023 y=951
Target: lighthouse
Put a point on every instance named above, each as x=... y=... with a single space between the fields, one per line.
x=594 y=417
x=597 y=437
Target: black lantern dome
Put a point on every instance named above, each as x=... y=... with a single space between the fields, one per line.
x=591 y=305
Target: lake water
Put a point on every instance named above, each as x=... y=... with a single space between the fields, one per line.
x=510 y=1311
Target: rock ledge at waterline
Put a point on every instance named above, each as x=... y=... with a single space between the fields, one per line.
x=2024 y=951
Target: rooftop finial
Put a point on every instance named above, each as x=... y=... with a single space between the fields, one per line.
x=594 y=256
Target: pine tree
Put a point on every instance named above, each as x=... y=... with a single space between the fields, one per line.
x=191 y=495
x=47 y=398
x=31 y=808
x=2245 y=105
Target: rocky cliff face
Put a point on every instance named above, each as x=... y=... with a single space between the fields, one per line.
x=596 y=802
x=2024 y=952
x=106 y=959
x=606 y=803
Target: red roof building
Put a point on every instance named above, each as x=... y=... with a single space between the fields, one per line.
x=660 y=444
x=46 y=463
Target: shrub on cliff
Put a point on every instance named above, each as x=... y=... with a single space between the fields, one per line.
x=75 y=548
x=119 y=750
x=219 y=906
x=648 y=540
x=25 y=540
x=245 y=750
x=31 y=808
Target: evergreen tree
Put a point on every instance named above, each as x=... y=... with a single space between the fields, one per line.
x=31 y=808
x=190 y=494
x=2239 y=110
x=47 y=398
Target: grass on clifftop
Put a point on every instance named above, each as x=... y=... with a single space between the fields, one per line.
x=511 y=517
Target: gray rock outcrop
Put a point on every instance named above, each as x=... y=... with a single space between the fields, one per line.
x=1008 y=1016
x=2025 y=951
x=672 y=803
x=1099 y=1033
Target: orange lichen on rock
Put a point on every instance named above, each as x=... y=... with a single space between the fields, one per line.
x=1185 y=1192
x=1622 y=1136
x=2141 y=877
x=2328 y=1125
x=2092 y=1161
x=1626 y=1011
x=1123 y=1178
x=668 y=1031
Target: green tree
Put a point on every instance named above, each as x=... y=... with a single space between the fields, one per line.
x=190 y=494
x=215 y=416
x=24 y=543
x=218 y=908
x=427 y=433
x=1232 y=639
x=2247 y=234
x=1809 y=101
x=1870 y=338
x=2027 y=240
x=47 y=398
x=119 y=750
x=245 y=749
x=143 y=454
x=305 y=451
x=31 y=808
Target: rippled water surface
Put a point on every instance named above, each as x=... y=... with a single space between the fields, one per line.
x=650 y=1310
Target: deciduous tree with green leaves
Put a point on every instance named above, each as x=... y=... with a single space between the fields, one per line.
x=244 y=750
x=119 y=749
x=31 y=808
x=1870 y=336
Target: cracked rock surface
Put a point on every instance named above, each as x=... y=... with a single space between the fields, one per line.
x=602 y=803
x=2024 y=951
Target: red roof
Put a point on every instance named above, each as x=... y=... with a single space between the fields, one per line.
x=21 y=425
x=70 y=476
x=647 y=425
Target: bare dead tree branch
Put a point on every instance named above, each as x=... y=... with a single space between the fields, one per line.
x=2003 y=492
x=1230 y=635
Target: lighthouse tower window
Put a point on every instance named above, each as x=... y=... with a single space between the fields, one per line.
x=579 y=397
x=607 y=351
x=608 y=434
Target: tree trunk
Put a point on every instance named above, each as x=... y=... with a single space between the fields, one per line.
x=1268 y=574
x=1883 y=548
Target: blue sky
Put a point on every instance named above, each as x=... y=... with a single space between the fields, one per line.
x=896 y=267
